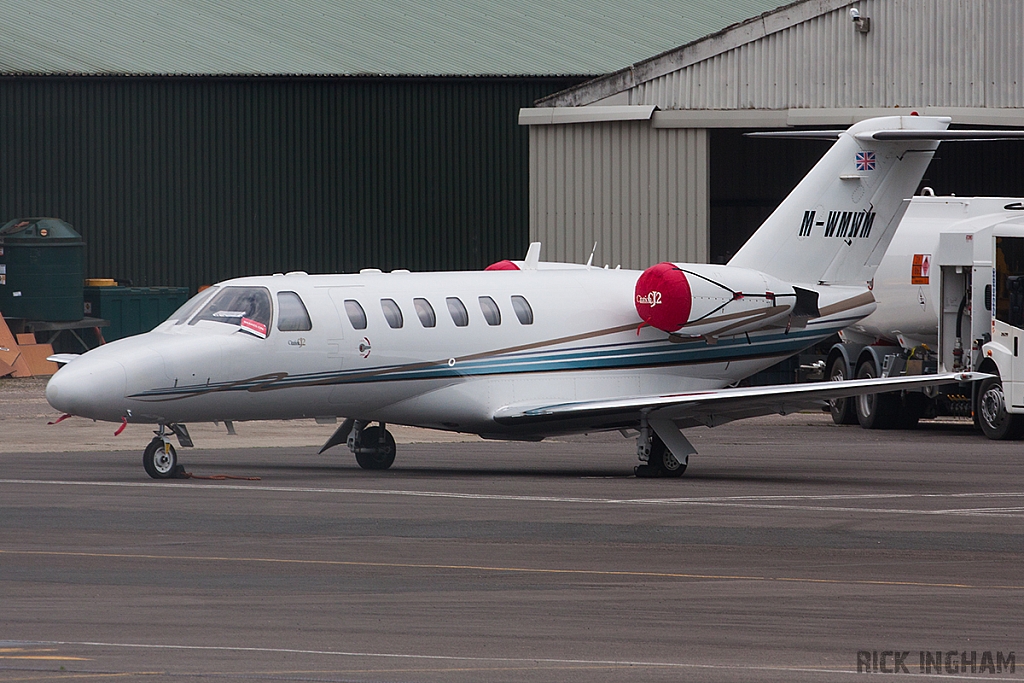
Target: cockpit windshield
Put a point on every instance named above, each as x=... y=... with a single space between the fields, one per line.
x=246 y=307
x=186 y=310
x=1009 y=280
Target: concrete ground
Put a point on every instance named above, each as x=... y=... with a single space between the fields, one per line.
x=792 y=550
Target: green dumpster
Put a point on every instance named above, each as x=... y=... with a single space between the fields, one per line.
x=132 y=310
x=41 y=265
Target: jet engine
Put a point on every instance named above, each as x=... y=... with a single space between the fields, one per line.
x=700 y=300
x=663 y=297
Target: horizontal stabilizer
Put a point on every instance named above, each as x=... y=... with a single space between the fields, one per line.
x=797 y=134
x=942 y=135
x=893 y=135
x=718 y=406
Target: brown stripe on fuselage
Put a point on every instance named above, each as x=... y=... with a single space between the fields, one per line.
x=847 y=304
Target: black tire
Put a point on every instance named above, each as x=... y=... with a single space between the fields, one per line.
x=910 y=410
x=995 y=422
x=379 y=458
x=158 y=463
x=843 y=410
x=663 y=462
x=875 y=411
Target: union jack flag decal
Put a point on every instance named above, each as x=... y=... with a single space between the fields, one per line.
x=865 y=161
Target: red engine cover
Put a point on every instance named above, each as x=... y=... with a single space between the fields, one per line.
x=663 y=297
x=502 y=265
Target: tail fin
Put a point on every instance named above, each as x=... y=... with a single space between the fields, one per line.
x=835 y=226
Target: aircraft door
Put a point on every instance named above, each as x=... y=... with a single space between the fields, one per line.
x=1008 y=317
x=296 y=340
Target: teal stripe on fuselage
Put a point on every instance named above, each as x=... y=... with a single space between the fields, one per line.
x=624 y=357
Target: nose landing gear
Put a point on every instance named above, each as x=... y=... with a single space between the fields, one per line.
x=160 y=460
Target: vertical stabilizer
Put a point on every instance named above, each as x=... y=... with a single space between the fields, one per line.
x=835 y=226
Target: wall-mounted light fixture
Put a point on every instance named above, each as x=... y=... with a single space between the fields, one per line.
x=862 y=24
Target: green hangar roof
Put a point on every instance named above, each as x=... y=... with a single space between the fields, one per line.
x=354 y=37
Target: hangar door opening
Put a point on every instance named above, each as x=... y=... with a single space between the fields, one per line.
x=749 y=177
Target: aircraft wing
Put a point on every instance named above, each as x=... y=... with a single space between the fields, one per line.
x=717 y=406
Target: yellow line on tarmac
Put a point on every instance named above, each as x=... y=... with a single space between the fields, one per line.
x=522 y=570
x=49 y=658
x=65 y=675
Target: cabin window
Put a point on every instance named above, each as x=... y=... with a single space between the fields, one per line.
x=292 y=315
x=356 y=314
x=460 y=316
x=191 y=306
x=246 y=307
x=425 y=312
x=490 y=310
x=522 y=308
x=392 y=313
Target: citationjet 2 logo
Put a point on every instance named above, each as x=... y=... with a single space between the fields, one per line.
x=652 y=299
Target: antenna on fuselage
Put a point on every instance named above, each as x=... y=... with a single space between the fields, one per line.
x=532 y=256
x=590 y=261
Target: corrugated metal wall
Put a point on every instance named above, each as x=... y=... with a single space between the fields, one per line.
x=954 y=53
x=638 y=191
x=186 y=181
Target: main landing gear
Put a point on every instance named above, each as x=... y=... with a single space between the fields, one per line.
x=657 y=458
x=374 y=447
x=160 y=459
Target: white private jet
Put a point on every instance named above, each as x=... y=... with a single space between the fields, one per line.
x=528 y=349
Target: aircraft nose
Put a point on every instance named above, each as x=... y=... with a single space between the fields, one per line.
x=89 y=387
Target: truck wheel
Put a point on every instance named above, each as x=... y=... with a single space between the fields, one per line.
x=875 y=411
x=842 y=409
x=996 y=423
x=910 y=409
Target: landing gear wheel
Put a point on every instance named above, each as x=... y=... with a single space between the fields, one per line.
x=843 y=410
x=995 y=422
x=661 y=462
x=376 y=456
x=875 y=411
x=160 y=464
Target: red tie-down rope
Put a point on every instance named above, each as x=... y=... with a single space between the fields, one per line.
x=213 y=477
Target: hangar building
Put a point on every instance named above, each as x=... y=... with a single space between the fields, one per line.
x=650 y=162
x=191 y=141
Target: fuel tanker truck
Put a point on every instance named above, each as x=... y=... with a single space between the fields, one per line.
x=950 y=295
